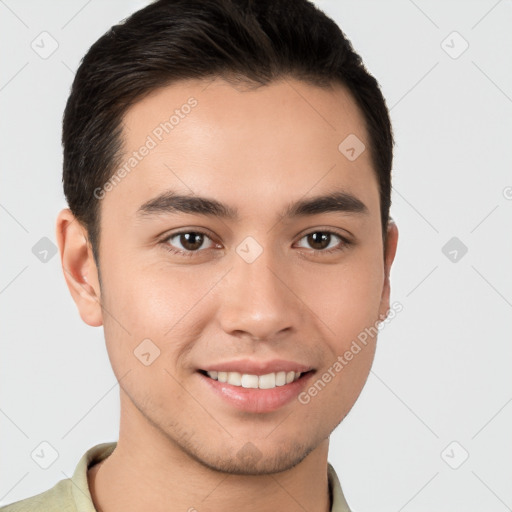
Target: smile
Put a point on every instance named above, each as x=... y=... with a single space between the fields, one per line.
x=255 y=393
x=249 y=381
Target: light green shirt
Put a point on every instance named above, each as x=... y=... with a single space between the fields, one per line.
x=73 y=495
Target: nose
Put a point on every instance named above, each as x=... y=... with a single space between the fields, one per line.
x=259 y=300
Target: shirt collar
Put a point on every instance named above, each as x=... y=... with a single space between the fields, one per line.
x=339 y=504
x=79 y=484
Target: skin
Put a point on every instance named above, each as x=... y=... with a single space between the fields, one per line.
x=254 y=150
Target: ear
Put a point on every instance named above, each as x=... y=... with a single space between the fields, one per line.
x=79 y=267
x=389 y=256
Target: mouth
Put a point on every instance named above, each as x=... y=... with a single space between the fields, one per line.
x=253 y=393
x=252 y=381
x=252 y=385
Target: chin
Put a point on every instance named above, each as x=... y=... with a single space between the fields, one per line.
x=249 y=460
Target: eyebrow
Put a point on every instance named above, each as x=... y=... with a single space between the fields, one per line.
x=173 y=202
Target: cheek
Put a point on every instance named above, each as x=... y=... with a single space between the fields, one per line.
x=151 y=298
x=155 y=303
x=334 y=390
x=347 y=302
x=337 y=384
x=347 y=297
x=352 y=316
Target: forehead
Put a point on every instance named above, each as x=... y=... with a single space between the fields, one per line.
x=247 y=148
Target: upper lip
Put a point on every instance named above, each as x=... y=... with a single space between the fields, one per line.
x=253 y=367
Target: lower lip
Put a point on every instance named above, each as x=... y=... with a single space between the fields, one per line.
x=257 y=400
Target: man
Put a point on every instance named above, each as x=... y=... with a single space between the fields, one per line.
x=227 y=169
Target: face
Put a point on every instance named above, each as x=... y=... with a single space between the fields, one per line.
x=250 y=274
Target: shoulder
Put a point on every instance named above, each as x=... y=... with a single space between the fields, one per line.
x=57 y=499
x=68 y=495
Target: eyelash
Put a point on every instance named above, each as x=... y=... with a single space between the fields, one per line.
x=344 y=243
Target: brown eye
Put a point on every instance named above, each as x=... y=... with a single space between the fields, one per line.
x=324 y=242
x=319 y=240
x=191 y=241
x=187 y=242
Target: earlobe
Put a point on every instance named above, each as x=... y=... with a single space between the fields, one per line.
x=79 y=267
x=389 y=256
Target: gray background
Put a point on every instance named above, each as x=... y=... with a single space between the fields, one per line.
x=440 y=388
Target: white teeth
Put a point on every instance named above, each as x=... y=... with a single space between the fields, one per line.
x=235 y=378
x=280 y=378
x=267 y=381
x=249 y=381
x=245 y=380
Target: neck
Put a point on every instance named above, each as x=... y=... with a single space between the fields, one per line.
x=149 y=471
